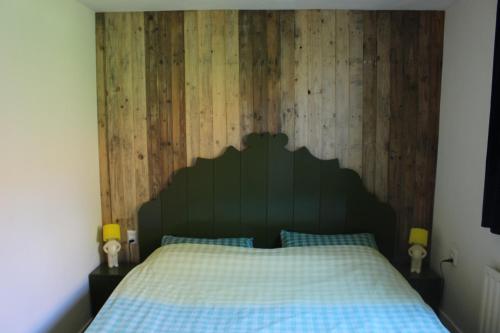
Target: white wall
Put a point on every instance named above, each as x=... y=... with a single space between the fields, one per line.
x=49 y=185
x=463 y=130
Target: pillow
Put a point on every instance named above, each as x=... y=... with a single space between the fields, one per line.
x=294 y=239
x=241 y=242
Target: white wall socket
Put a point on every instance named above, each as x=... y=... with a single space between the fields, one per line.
x=454 y=256
x=132 y=236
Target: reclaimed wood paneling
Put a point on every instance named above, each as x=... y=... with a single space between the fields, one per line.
x=355 y=124
x=383 y=120
x=102 y=119
x=369 y=131
x=314 y=81
x=341 y=133
x=328 y=82
x=288 y=109
x=232 y=79
x=301 y=76
x=362 y=87
x=191 y=75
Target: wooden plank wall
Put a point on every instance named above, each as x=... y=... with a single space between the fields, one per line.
x=361 y=86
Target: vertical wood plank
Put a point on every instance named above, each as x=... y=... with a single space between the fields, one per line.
x=423 y=118
x=246 y=72
x=232 y=78
x=314 y=87
x=205 y=83
x=218 y=82
x=139 y=119
x=287 y=76
x=164 y=92
x=301 y=74
x=152 y=43
x=410 y=109
x=114 y=76
x=139 y=126
x=102 y=118
x=126 y=104
x=259 y=86
x=127 y=123
x=383 y=105
x=191 y=41
x=178 y=91
x=397 y=126
x=272 y=72
x=369 y=99
x=342 y=86
x=404 y=99
x=328 y=97
x=355 y=123
x=436 y=61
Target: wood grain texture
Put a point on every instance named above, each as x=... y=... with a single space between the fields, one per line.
x=369 y=117
x=127 y=123
x=102 y=119
x=232 y=78
x=288 y=109
x=205 y=93
x=362 y=87
x=314 y=83
x=301 y=78
x=383 y=120
x=191 y=89
x=355 y=123
x=328 y=83
x=178 y=91
x=396 y=133
x=341 y=137
x=246 y=72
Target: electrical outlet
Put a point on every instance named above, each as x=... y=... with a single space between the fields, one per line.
x=132 y=236
x=454 y=256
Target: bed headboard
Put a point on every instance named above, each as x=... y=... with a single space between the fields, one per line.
x=261 y=190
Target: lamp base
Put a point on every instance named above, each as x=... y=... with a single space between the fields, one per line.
x=417 y=253
x=111 y=248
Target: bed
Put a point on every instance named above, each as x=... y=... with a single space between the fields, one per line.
x=257 y=193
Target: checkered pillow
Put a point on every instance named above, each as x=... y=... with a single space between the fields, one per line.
x=296 y=239
x=241 y=242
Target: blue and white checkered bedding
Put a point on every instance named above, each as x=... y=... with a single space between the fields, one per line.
x=291 y=238
x=231 y=241
x=221 y=289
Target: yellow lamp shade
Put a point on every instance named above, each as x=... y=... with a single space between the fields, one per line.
x=111 y=231
x=418 y=236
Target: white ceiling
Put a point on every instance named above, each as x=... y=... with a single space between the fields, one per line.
x=156 y=5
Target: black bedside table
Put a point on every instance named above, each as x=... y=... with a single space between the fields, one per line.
x=428 y=284
x=102 y=281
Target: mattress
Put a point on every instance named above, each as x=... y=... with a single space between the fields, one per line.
x=221 y=289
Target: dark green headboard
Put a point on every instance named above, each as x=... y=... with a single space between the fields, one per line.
x=261 y=190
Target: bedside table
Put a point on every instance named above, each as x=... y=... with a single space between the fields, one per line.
x=428 y=284
x=102 y=281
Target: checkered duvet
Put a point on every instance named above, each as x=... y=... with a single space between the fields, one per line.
x=221 y=289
